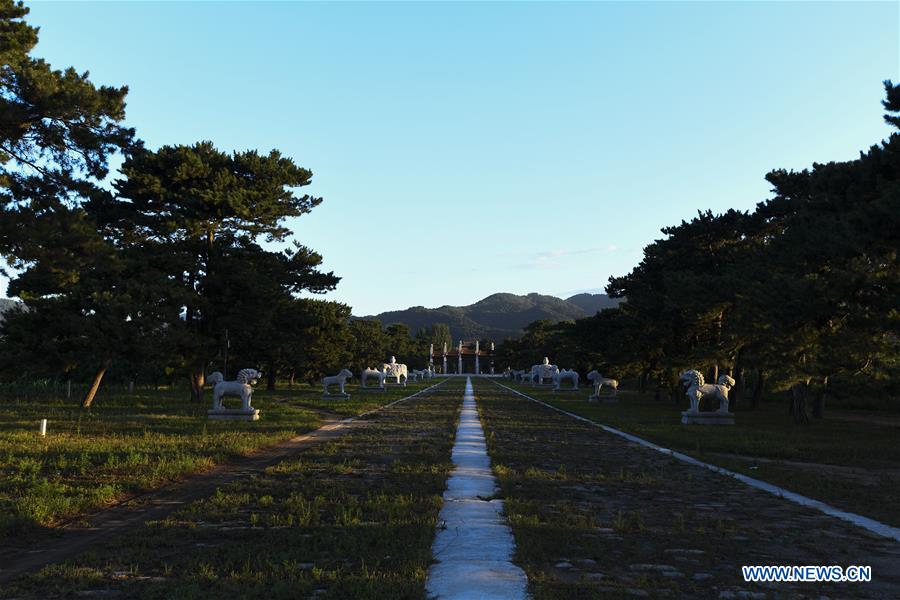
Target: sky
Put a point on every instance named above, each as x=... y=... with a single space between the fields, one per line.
x=464 y=149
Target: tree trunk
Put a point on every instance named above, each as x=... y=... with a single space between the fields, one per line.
x=198 y=379
x=758 y=390
x=292 y=378
x=270 y=378
x=737 y=392
x=95 y=385
x=798 y=403
x=676 y=393
x=68 y=389
x=819 y=402
x=131 y=386
x=715 y=374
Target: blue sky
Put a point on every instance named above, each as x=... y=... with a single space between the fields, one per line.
x=469 y=148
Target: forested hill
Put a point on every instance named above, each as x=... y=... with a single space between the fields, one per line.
x=498 y=316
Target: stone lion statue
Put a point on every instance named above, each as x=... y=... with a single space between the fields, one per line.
x=697 y=389
x=241 y=387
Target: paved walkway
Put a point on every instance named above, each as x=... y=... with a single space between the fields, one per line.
x=473 y=546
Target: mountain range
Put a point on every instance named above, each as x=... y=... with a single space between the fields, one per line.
x=499 y=316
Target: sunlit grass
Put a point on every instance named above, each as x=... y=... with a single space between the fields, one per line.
x=132 y=442
x=350 y=518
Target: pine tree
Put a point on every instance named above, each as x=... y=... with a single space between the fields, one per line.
x=57 y=132
x=198 y=213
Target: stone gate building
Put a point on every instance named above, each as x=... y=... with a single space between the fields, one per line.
x=468 y=357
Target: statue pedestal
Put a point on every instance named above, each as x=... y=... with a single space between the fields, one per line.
x=233 y=414
x=707 y=418
x=342 y=396
x=371 y=389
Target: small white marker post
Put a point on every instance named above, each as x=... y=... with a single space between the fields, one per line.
x=43 y=427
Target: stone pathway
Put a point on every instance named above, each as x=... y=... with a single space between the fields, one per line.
x=595 y=514
x=474 y=546
x=88 y=533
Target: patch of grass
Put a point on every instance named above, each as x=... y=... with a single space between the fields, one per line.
x=766 y=445
x=351 y=518
x=132 y=442
x=359 y=402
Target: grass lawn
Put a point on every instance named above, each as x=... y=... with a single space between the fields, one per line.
x=852 y=464
x=593 y=516
x=132 y=442
x=351 y=518
x=358 y=402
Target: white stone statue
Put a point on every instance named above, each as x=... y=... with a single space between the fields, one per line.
x=241 y=387
x=598 y=382
x=340 y=380
x=565 y=375
x=543 y=371
x=370 y=374
x=395 y=370
x=697 y=389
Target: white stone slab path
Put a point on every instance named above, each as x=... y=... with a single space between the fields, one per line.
x=474 y=545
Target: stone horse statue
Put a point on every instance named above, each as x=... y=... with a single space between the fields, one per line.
x=565 y=375
x=697 y=389
x=241 y=387
x=340 y=380
x=599 y=381
x=395 y=370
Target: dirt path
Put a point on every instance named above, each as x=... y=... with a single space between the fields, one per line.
x=60 y=544
x=594 y=514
